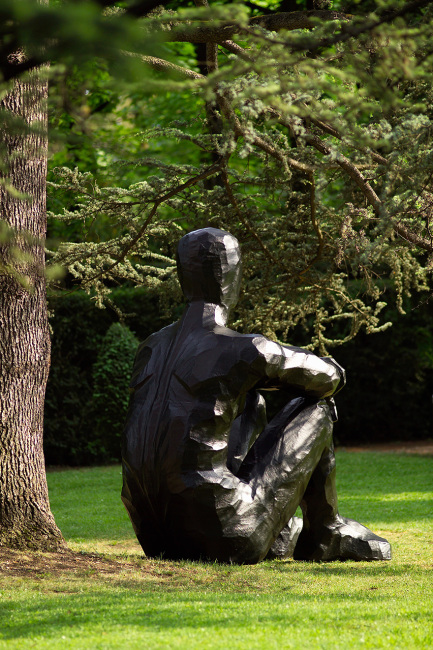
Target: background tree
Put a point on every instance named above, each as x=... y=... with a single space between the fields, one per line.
x=310 y=141
x=25 y=516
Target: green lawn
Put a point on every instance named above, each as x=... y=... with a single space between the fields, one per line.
x=123 y=600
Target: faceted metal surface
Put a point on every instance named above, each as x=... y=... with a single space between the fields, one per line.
x=204 y=474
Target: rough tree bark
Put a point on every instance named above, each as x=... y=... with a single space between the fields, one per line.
x=25 y=516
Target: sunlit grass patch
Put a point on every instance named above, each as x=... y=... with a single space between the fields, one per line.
x=119 y=599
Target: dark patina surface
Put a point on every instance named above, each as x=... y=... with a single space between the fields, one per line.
x=204 y=474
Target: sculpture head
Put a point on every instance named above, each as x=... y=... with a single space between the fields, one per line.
x=209 y=266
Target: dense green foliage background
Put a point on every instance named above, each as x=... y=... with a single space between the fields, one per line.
x=389 y=381
x=388 y=394
x=91 y=363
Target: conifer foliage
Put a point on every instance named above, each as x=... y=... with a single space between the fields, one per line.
x=311 y=142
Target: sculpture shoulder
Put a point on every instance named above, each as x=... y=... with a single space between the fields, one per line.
x=147 y=349
x=161 y=338
x=239 y=347
x=216 y=357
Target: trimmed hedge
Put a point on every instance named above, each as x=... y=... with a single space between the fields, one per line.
x=71 y=431
x=389 y=388
x=111 y=374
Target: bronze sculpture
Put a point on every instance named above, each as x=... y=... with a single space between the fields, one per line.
x=204 y=474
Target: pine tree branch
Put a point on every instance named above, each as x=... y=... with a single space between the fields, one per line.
x=370 y=195
x=330 y=130
x=353 y=30
x=211 y=48
x=212 y=169
x=240 y=131
x=195 y=32
x=316 y=227
x=245 y=221
x=290 y=20
x=350 y=169
x=166 y=66
x=412 y=237
x=234 y=48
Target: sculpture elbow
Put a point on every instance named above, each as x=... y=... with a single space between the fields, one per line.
x=339 y=377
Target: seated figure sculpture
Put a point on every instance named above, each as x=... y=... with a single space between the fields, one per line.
x=204 y=475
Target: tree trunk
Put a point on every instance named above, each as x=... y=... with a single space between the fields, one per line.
x=25 y=516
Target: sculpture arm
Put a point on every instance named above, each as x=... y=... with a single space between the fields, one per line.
x=299 y=370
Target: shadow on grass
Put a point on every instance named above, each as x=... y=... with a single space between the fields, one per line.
x=222 y=605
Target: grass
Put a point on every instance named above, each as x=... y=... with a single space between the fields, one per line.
x=118 y=599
